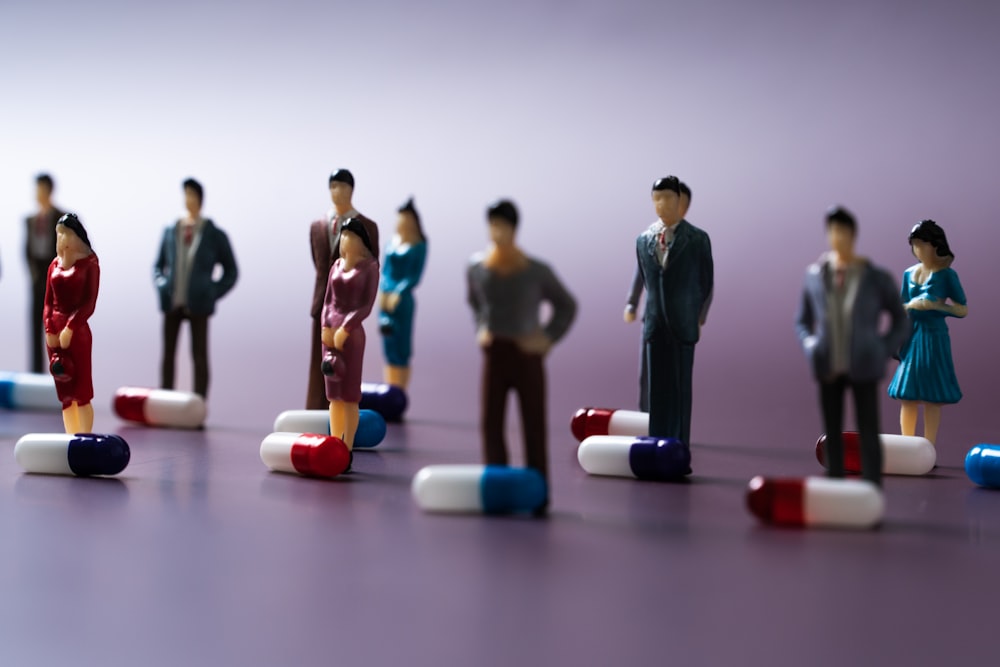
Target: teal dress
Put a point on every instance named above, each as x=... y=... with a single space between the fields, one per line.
x=926 y=372
x=401 y=271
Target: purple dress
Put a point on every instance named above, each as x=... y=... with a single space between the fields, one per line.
x=350 y=296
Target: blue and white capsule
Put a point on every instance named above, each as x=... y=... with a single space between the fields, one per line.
x=489 y=489
x=80 y=454
x=982 y=465
x=28 y=391
x=643 y=457
x=371 y=425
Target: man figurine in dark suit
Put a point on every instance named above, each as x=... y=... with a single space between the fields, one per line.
x=843 y=299
x=324 y=240
x=183 y=274
x=39 y=249
x=675 y=260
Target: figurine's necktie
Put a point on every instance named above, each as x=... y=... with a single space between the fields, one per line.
x=188 y=235
x=664 y=240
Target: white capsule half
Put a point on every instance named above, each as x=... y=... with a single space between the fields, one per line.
x=490 y=489
x=160 y=407
x=845 y=503
x=28 y=391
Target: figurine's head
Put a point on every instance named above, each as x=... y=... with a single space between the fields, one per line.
x=929 y=244
x=354 y=240
x=666 y=200
x=841 y=229
x=685 y=198
x=194 y=195
x=408 y=224
x=44 y=185
x=341 y=188
x=71 y=236
x=502 y=218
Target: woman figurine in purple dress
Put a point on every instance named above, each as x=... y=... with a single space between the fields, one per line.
x=931 y=292
x=350 y=295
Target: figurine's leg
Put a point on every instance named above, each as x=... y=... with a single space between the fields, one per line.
x=932 y=420
x=866 y=412
x=686 y=372
x=831 y=399
x=529 y=383
x=171 y=327
x=663 y=359
x=397 y=376
x=199 y=353
x=37 y=345
x=316 y=389
x=338 y=422
x=908 y=418
x=495 y=385
x=643 y=380
x=71 y=418
x=351 y=417
x=86 y=423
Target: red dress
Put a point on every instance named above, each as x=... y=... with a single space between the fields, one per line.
x=70 y=299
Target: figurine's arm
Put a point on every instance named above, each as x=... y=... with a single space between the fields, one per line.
x=369 y=290
x=412 y=278
x=805 y=320
x=79 y=317
x=632 y=303
x=483 y=335
x=899 y=326
x=706 y=279
x=563 y=306
x=160 y=278
x=958 y=306
x=230 y=272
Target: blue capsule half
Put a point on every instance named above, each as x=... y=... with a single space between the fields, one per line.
x=982 y=465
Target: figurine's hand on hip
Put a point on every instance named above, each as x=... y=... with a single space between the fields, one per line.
x=52 y=340
x=65 y=337
x=327 y=336
x=391 y=301
x=339 y=338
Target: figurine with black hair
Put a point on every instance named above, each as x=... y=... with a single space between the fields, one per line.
x=74 y=278
x=931 y=291
x=324 y=242
x=401 y=271
x=506 y=289
x=183 y=274
x=675 y=260
x=844 y=297
x=349 y=299
x=39 y=249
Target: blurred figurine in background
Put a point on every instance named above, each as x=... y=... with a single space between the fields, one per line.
x=632 y=304
x=505 y=291
x=39 y=249
x=324 y=241
x=401 y=271
x=74 y=277
x=183 y=274
x=931 y=292
x=843 y=299
x=350 y=297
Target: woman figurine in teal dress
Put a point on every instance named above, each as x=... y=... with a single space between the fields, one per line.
x=401 y=271
x=931 y=292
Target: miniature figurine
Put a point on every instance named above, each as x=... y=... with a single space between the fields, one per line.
x=350 y=296
x=39 y=249
x=183 y=274
x=505 y=291
x=324 y=241
x=675 y=260
x=633 y=303
x=404 y=264
x=74 y=277
x=843 y=298
x=931 y=292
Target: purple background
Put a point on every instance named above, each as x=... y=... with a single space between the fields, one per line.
x=770 y=110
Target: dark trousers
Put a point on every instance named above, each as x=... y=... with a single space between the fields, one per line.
x=831 y=398
x=506 y=367
x=316 y=391
x=199 y=348
x=669 y=371
x=36 y=344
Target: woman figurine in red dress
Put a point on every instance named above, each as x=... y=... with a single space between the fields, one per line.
x=70 y=298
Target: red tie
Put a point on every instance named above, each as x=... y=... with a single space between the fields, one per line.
x=188 y=235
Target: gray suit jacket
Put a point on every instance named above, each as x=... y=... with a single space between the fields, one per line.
x=869 y=349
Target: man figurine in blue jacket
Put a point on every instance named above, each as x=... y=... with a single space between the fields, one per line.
x=191 y=249
x=675 y=261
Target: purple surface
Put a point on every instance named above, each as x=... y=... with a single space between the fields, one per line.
x=771 y=112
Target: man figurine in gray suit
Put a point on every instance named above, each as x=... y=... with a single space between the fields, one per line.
x=183 y=274
x=675 y=260
x=843 y=298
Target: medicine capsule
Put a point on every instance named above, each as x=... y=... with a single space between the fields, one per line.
x=371 y=425
x=385 y=399
x=901 y=454
x=28 y=391
x=642 y=457
x=816 y=501
x=490 y=489
x=160 y=407
x=309 y=454
x=982 y=465
x=81 y=454
x=604 y=421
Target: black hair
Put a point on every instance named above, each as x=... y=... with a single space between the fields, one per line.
x=194 y=186
x=70 y=221
x=931 y=232
x=686 y=191
x=356 y=226
x=671 y=183
x=408 y=207
x=841 y=216
x=342 y=176
x=503 y=209
x=46 y=180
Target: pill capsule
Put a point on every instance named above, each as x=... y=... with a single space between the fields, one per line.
x=160 y=407
x=816 y=501
x=490 y=489
x=642 y=457
x=310 y=454
x=371 y=425
x=385 y=399
x=982 y=465
x=901 y=454
x=604 y=421
x=81 y=454
x=28 y=391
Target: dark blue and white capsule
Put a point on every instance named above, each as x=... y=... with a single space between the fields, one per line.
x=642 y=457
x=80 y=454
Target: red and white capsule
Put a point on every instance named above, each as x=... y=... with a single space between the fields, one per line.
x=605 y=421
x=816 y=501
x=901 y=454
x=160 y=407
x=310 y=454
